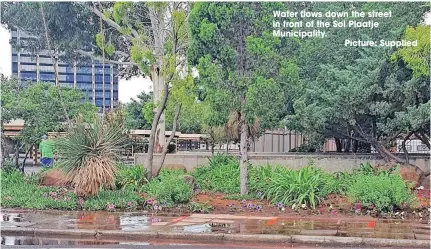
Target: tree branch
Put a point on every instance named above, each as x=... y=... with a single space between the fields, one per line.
x=111 y=22
x=423 y=138
x=91 y=55
x=174 y=130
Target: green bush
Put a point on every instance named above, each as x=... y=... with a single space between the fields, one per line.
x=169 y=188
x=383 y=191
x=296 y=186
x=19 y=191
x=130 y=178
x=260 y=177
x=111 y=200
x=9 y=166
x=220 y=175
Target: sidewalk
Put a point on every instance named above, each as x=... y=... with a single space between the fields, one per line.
x=217 y=227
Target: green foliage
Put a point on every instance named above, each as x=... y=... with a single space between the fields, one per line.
x=111 y=200
x=296 y=186
x=220 y=175
x=384 y=191
x=416 y=57
x=39 y=105
x=148 y=111
x=20 y=192
x=131 y=178
x=169 y=188
x=8 y=166
x=260 y=177
x=196 y=207
x=136 y=118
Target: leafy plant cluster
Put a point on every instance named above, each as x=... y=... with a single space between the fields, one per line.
x=130 y=177
x=169 y=188
x=111 y=200
x=220 y=175
x=383 y=189
x=23 y=192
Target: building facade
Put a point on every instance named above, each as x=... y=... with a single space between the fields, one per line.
x=98 y=82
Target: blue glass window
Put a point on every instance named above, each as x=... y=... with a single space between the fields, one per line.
x=107 y=102
x=28 y=75
x=47 y=76
x=69 y=69
x=84 y=86
x=86 y=70
x=99 y=102
x=83 y=78
x=70 y=85
x=107 y=94
x=14 y=67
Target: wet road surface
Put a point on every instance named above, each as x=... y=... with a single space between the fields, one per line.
x=216 y=223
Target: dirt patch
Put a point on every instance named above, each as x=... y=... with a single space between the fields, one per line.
x=332 y=206
x=53 y=177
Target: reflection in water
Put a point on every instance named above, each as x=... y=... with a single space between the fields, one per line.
x=142 y=221
x=205 y=228
x=26 y=241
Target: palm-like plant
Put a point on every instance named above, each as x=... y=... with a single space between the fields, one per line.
x=88 y=154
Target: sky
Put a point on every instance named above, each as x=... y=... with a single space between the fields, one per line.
x=127 y=89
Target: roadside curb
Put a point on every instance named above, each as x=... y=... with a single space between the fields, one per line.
x=270 y=238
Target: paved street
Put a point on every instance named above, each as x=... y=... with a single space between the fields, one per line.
x=188 y=246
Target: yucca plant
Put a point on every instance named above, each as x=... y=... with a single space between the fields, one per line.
x=88 y=154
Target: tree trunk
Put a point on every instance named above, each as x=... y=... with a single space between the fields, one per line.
x=25 y=159
x=406 y=153
x=158 y=83
x=55 y=66
x=158 y=27
x=347 y=147
x=227 y=146
x=165 y=147
x=212 y=148
x=243 y=150
x=388 y=156
x=338 y=144
x=355 y=146
x=4 y=153
x=160 y=109
x=423 y=138
x=16 y=156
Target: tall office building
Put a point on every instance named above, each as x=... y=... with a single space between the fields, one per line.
x=88 y=78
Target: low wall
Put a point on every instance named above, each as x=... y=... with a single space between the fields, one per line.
x=330 y=162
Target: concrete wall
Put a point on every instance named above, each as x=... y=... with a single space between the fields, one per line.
x=330 y=162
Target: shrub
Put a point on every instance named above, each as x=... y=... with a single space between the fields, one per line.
x=88 y=154
x=220 y=175
x=296 y=186
x=9 y=166
x=19 y=191
x=111 y=200
x=196 y=207
x=260 y=177
x=383 y=191
x=169 y=188
x=130 y=177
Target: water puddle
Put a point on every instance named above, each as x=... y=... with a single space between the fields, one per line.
x=208 y=223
